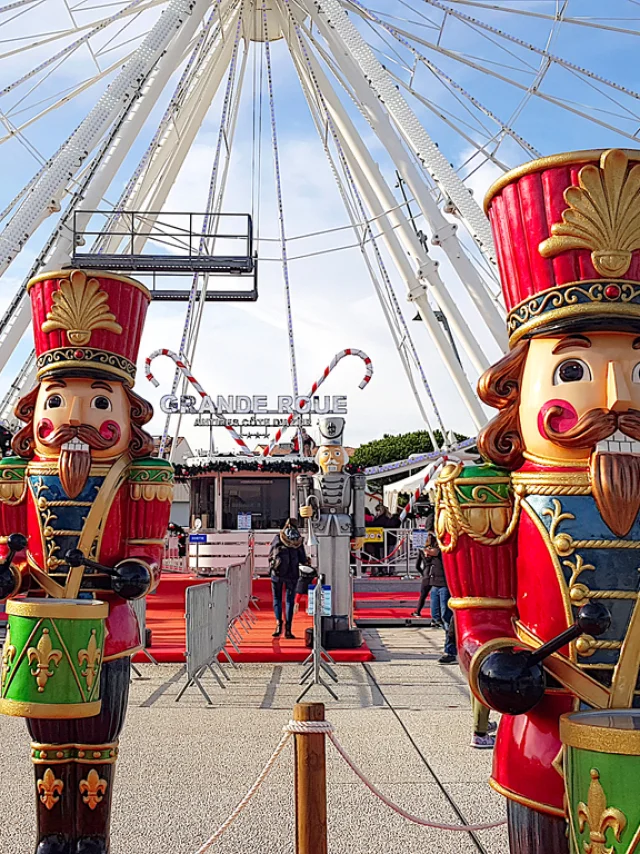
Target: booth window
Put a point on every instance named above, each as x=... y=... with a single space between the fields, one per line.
x=203 y=500
x=266 y=500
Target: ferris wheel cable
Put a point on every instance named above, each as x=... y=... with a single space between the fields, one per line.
x=376 y=191
x=595 y=24
x=342 y=32
x=442 y=229
x=466 y=271
x=442 y=75
x=56 y=35
x=367 y=233
x=62 y=97
x=191 y=328
x=61 y=55
x=136 y=113
x=172 y=29
x=450 y=119
x=527 y=45
x=187 y=78
x=17 y=5
x=283 y=234
x=17 y=315
x=558 y=102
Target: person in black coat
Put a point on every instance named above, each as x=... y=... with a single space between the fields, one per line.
x=423 y=567
x=286 y=555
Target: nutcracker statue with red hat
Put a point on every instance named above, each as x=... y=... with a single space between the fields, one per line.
x=83 y=514
x=542 y=543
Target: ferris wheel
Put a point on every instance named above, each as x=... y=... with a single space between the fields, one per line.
x=417 y=105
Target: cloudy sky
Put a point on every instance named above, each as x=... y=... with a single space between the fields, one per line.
x=243 y=348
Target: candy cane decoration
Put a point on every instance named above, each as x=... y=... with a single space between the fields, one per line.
x=431 y=474
x=337 y=358
x=186 y=371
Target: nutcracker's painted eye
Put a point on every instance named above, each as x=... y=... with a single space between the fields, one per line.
x=101 y=402
x=54 y=401
x=635 y=374
x=572 y=371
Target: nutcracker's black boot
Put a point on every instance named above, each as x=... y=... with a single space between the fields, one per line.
x=54 y=800
x=94 y=792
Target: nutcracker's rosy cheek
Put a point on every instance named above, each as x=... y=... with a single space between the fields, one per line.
x=560 y=422
x=44 y=428
x=110 y=430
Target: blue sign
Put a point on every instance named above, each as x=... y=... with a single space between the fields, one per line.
x=197 y=538
x=325 y=603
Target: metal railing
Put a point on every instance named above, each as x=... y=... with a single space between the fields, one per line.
x=171 y=560
x=395 y=554
x=140 y=609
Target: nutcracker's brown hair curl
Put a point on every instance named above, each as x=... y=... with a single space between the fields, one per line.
x=141 y=444
x=501 y=440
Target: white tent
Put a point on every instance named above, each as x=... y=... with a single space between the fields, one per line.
x=412 y=482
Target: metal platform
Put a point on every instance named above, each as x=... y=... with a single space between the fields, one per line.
x=178 y=244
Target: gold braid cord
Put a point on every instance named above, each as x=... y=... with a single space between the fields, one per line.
x=489 y=524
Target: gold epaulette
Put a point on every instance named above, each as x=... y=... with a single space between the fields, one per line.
x=13 y=483
x=478 y=501
x=151 y=479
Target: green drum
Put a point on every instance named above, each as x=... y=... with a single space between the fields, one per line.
x=602 y=775
x=52 y=658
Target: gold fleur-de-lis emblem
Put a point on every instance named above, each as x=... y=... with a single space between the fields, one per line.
x=8 y=654
x=79 y=307
x=603 y=215
x=93 y=789
x=599 y=818
x=91 y=657
x=50 y=789
x=43 y=656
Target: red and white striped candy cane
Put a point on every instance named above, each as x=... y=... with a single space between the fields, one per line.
x=431 y=473
x=186 y=371
x=337 y=358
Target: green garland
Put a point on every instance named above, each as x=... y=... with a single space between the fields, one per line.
x=183 y=472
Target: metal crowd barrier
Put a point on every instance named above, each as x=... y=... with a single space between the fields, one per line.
x=239 y=618
x=207 y=626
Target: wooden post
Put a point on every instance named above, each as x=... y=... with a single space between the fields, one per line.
x=311 y=783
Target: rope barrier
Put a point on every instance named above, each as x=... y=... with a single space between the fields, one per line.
x=327 y=729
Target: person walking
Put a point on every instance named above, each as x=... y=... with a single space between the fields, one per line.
x=286 y=555
x=423 y=566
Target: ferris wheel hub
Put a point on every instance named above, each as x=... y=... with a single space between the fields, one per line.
x=253 y=21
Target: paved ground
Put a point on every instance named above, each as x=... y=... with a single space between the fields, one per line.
x=404 y=719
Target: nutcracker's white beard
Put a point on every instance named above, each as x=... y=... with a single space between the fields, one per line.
x=615 y=483
x=74 y=466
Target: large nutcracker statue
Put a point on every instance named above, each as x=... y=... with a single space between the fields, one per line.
x=94 y=507
x=548 y=528
x=333 y=501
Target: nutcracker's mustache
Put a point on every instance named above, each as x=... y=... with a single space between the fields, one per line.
x=75 y=445
x=614 y=477
x=592 y=427
x=84 y=433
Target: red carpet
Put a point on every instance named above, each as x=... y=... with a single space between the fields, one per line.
x=386 y=606
x=165 y=618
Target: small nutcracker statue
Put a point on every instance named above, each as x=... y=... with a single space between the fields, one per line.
x=333 y=501
x=94 y=507
x=549 y=526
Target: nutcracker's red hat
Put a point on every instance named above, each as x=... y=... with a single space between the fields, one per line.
x=567 y=234
x=87 y=323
